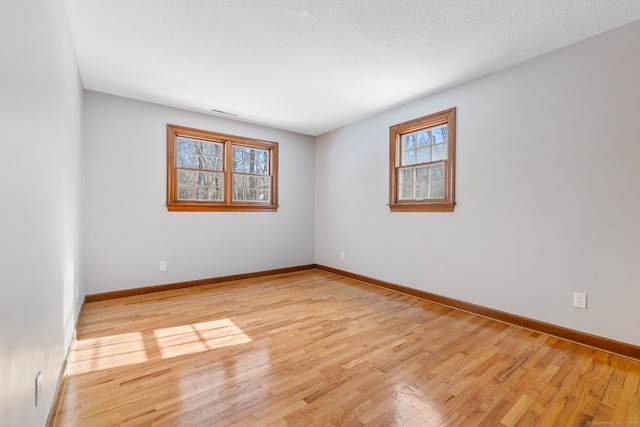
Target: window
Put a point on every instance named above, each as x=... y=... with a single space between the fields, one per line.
x=422 y=164
x=209 y=171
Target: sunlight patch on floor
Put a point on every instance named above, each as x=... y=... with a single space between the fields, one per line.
x=198 y=337
x=112 y=351
x=94 y=354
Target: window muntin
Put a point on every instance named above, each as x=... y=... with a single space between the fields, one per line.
x=422 y=153
x=217 y=172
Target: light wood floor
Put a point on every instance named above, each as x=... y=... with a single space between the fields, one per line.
x=313 y=348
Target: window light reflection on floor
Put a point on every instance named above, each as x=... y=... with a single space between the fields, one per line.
x=112 y=351
x=198 y=337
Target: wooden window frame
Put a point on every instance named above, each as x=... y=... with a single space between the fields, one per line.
x=227 y=204
x=445 y=204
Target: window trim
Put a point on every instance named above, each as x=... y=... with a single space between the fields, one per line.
x=395 y=132
x=173 y=204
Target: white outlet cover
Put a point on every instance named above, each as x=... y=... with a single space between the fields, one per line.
x=580 y=300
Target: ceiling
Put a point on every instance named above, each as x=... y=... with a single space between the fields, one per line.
x=311 y=66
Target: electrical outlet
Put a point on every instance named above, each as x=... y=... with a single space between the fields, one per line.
x=38 y=387
x=77 y=291
x=163 y=265
x=580 y=300
x=342 y=256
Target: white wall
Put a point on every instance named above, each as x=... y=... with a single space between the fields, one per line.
x=127 y=229
x=40 y=116
x=548 y=192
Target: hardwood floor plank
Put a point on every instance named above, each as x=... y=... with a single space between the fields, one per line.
x=312 y=348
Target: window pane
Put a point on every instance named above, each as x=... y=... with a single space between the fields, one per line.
x=210 y=149
x=185 y=177
x=422 y=191
x=409 y=141
x=185 y=192
x=184 y=160
x=201 y=178
x=424 y=138
x=406 y=175
x=436 y=172
x=264 y=183
x=185 y=145
x=200 y=162
x=422 y=173
x=262 y=168
x=439 y=134
x=439 y=152
x=436 y=190
x=201 y=193
x=263 y=195
x=406 y=192
x=424 y=155
x=199 y=147
x=251 y=195
x=238 y=166
x=409 y=157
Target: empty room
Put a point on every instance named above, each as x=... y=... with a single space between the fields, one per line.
x=320 y=213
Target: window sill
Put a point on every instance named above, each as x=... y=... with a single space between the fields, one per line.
x=206 y=207
x=422 y=207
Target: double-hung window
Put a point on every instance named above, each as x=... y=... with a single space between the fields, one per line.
x=422 y=164
x=208 y=171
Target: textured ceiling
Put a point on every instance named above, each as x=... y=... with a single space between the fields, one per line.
x=312 y=66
